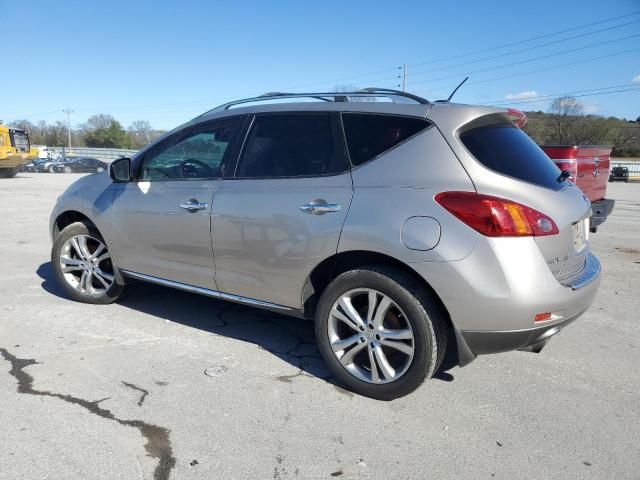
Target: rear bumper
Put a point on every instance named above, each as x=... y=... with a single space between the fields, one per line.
x=494 y=295
x=484 y=343
x=600 y=210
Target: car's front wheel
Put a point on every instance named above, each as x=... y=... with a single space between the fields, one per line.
x=67 y=169
x=84 y=267
x=380 y=331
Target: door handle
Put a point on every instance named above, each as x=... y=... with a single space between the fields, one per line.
x=193 y=205
x=320 y=207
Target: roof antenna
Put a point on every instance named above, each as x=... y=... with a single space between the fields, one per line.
x=456 y=89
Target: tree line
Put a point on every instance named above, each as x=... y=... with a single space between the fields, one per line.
x=563 y=124
x=566 y=124
x=99 y=131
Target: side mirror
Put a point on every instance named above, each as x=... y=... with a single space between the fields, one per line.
x=120 y=170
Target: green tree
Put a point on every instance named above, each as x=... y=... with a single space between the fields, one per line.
x=106 y=132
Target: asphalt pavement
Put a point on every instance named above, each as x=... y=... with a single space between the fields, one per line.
x=167 y=384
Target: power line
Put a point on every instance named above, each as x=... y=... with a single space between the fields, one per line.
x=396 y=77
x=528 y=72
x=543 y=57
x=578 y=96
x=345 y=78
x=37 y=114
x=553 y=95
x=520 y=42
x=555 y=66
x=534 y=47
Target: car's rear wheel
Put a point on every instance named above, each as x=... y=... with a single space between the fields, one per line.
x=380 y=332
x=67 y=169
x=84 y=267
x=51 y=169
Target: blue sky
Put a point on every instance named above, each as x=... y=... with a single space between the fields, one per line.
x=168 y=61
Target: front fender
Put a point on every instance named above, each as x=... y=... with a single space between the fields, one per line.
x=91 y=197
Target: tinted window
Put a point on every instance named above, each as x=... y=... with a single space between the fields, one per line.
x=290 y=146
x=196 y=153
x=509 y=151
x=369 y=135
x=20 y=140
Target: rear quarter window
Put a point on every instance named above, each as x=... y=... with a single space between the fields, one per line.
x=369 y=135
x=509 y=151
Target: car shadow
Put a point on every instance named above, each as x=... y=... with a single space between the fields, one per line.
x=290 y=339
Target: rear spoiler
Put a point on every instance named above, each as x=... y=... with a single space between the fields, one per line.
x=518 y=118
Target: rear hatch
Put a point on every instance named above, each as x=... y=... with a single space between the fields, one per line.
x=503 y=161
x=587 y=164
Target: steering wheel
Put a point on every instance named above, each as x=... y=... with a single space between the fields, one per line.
x=192 y=172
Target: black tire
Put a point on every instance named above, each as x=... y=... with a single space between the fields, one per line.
x=80 y=228
x=51 y=169
x=425 y=314
x=8 y=172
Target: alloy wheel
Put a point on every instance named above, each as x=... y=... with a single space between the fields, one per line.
x=371 y=336
x=86 y=265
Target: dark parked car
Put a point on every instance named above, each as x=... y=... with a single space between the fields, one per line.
x=31 y=166
x=48 y=164
x=80 y=165
x=619 y=173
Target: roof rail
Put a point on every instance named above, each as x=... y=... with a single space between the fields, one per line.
x=324 y=96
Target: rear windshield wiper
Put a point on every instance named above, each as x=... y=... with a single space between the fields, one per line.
x=563 y=176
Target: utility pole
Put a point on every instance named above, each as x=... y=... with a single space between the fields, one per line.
x=68 y=111
x=404 y=77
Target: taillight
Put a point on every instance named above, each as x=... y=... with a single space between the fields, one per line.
x=495 y=216
x=570 y=164
x=518 y=118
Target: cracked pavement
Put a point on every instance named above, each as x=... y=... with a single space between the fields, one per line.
x=167 y=384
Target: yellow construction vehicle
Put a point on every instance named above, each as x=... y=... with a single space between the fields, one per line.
x=15 y=150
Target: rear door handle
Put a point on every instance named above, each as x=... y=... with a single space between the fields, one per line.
x=320 y=207
x=193 y=205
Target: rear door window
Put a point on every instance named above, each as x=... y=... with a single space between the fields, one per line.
x=509 y=151
x=291 y=145
x=369 y=135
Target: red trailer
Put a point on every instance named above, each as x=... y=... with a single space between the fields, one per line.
x=588 y=167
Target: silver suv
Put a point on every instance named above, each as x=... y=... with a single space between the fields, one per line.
x=402 y=227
